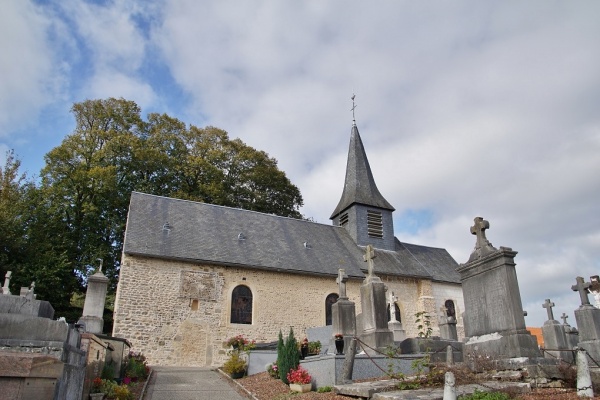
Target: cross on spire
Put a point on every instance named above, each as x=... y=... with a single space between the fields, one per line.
x=582 y=287
x=352 y=109
x=368 y=257
x=341 y=281
x=564 y=318
x=548 y=306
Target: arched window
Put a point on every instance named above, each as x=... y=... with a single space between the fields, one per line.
x=329 y=301
x=398 y=316
x=241 y=305
x=450 y=310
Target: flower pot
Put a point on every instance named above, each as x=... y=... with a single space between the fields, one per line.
x=303 y=352
x=300 y=387
x=237 y=375
x=339 y=345
x=96 y=396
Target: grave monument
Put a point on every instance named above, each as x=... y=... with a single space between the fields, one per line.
x=95 y=298
x=393 y=324
x=555 y=339
x=588 y=320
x=375 y=332
x=343 y=312
x=494 y=320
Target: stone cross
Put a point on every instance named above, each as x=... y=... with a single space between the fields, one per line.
x=368 y=257
x=30 y=293
x=564 y=318
x=5 y=288
x=582 y=288
x=548 y=306
x=393 y=300
x=479 y=227
x=341 y=281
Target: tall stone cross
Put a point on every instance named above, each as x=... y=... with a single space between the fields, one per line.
x=341 y=281
x=368 y=257
x=478 y=229
x=548 y=306
x=564 y=318
x=5 y=288
x=582 y=287
x=393 y=300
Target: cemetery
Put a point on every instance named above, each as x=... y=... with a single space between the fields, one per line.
x=346 y=308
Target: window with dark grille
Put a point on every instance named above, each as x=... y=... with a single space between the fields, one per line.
x=398 y=316
x=329 y=301
x=450 y=310
x=343 y=219
x=241 y=305
x=374 y=224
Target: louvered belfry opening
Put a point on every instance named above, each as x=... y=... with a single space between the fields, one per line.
x=374 y=224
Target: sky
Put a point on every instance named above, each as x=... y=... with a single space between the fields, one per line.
x=465 y=108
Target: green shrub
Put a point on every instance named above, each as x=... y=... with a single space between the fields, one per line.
x=288 y=357
x=123 y=393
x=235 y=364
x=324 y=389
x=136 y=366
x=477 y=395
x=108 y=371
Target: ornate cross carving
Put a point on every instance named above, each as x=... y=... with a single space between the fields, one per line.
x=341 y=281
x=564 y=318
x=548 y=306
x=582 y=287
x=368 y=257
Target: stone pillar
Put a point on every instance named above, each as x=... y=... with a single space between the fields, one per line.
x=588 y=321
x=448 y=328
x=95 y=298
x=5 y=289
x=375 y=331
x=343 y=313
x=493 y=307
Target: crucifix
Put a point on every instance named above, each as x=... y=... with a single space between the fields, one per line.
x=393 y=300
x=341 y=281
x=582 y=288
x=564 y=318
x=368 y=257
x=478 y=229
x=548 y=306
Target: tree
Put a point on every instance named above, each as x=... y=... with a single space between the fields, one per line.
x=79 y=211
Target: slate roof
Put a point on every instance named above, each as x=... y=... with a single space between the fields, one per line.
x=197 y=232
x=359 y=185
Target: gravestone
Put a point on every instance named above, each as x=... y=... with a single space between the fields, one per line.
x=588 y=320
x=571 y=333
x=447 y=325
x=343 y=312
x=393 y=324
x=555 y=339
x=493 y=317
x=40 y=357
x=375 y=333
x=95 y=298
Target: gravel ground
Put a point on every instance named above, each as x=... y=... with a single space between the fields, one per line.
x=264 y=387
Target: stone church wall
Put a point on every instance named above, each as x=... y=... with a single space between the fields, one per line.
x=178 y=313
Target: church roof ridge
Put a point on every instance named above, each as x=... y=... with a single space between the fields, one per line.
x=359 y=184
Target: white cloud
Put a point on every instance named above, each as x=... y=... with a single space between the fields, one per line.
x=26 y=66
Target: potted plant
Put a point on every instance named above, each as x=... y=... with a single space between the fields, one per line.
x=300 y=380
x=235 y=366
x=96 y=392
x=304 y=349
x=239 y=342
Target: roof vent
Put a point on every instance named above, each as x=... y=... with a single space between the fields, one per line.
x=307 y=245
x=166 y=227
x=241 y=236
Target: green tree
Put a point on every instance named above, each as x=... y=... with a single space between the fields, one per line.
x=77 y=214
x=288 y=357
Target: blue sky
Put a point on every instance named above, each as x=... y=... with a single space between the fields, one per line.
x=465 y=108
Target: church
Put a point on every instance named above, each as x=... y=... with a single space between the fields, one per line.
x=194 y=274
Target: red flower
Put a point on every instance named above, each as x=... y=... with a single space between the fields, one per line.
x=299 y=376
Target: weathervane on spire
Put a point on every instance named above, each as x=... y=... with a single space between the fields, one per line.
x=353 y=108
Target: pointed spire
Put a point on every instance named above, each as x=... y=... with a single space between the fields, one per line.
x=359 y=186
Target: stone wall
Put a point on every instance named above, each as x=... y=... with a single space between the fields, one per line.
x=178 y=313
